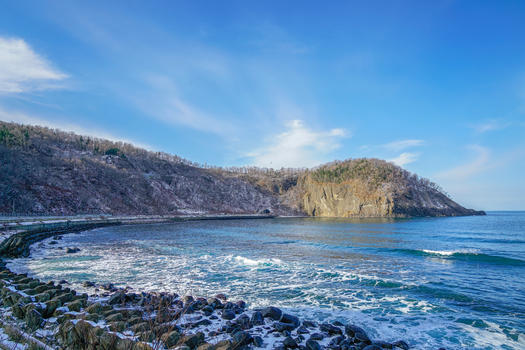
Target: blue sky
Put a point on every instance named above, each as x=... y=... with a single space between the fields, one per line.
x=437 y=87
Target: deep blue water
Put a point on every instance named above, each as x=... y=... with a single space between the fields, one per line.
x=453 y=282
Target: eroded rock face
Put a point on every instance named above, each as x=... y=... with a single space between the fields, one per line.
x=348 y=199
x=372 y=188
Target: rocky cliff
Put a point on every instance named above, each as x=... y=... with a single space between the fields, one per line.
x=372 y=188
x=44 y=171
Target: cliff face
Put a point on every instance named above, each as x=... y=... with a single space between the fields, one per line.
x=48 y=172
x=372 y=188
x=345 y=199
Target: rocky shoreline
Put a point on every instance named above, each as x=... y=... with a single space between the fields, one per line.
x=52 y=316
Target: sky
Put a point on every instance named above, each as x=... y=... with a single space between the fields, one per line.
x=437 y=87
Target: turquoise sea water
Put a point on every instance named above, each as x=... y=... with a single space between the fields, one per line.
x=452 y=282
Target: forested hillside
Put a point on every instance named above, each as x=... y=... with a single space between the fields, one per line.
x=46 y=171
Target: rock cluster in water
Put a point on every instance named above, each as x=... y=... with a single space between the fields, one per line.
x=121 y=319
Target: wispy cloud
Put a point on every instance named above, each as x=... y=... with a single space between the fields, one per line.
x=297 y=146
x=23 y=70
x=24 y=118
x=400 y=145
x=404 y=158
x=491 y=125
x=162 y=100
x=391 y=148
x=479 y=163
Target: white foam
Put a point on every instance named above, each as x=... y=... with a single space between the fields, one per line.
x=257 y=262
x=450 y=252
x=299 y=287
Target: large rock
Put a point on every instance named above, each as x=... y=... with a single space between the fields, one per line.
x=287 y=318
x=170 y=339
x=272 y=312
x=281 y=326
x=228 y=314
x=193 y=340
x=241 y=338
x=330 y=329
x=312 y=345
x=33 y=319
x=290 y=343
x=95 y=308
x=257 y=319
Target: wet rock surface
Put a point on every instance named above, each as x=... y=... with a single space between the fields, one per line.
x=127 y=320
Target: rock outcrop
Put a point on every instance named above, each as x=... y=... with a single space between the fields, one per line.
x=373 y=188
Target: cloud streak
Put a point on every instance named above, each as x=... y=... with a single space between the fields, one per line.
x=297 y=146
x=23 y=70
x=400 y=145
x=491 y=125
x=404 y=158
x=162 y=100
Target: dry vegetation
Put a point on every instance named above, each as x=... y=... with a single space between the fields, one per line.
x=46 y=171
x=50 y=172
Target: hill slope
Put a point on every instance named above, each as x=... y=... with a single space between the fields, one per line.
x=46 y=171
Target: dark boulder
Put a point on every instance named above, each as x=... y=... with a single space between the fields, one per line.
x=290 y=343
x=287 y=318
x=309 y=324
x=312 y=345
x=193 y=340
x=170 y=339
x=257 y=341
x=207 y=310
x=72 y=250
x=317 y=336
x=257 y=318
x=33 y=319
x=244 y=322
x=351 y=330
x=228 y=314
x=116 y=298
x=241 y=338
x=302 y=330
x=281 y=326
x=272 y=312
x=330 y=329
x=335 y=342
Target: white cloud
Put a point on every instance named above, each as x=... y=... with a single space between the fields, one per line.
x=23 y=70
x=490 y=125
x=404 y=158
x=23 y=118
x=298 y=146
x=400 y=145
x=478 y=164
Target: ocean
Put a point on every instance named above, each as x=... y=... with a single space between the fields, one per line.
x=456 y=282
